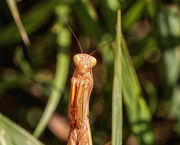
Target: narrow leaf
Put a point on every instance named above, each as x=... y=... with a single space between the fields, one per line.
x=117 y=121
x=12 y=134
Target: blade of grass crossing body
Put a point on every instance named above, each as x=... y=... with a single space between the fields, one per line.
x=117 y=120
x=61 y=73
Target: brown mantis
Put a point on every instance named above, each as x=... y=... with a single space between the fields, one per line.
x=81 y=86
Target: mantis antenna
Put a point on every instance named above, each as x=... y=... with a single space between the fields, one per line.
x=70 y=30
x=76 y=36
x=102 y=46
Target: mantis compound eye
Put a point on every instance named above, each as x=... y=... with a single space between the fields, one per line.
x=76 y=59
x=93 y=62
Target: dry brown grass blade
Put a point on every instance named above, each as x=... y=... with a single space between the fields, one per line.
x=14 y=10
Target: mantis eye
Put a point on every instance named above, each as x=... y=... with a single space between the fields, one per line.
x=93 y=62
x=76 y=59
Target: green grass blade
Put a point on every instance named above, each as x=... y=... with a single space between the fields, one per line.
x=12 y=134
x=60 y=76
x=117 y=120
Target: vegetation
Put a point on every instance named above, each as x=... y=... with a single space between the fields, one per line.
x=141 y=88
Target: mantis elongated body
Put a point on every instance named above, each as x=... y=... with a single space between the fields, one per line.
x=81 y=86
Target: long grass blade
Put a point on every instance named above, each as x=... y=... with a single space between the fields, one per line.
x=117 y=120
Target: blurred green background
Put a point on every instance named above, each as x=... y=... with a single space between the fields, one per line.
x=31 y=73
